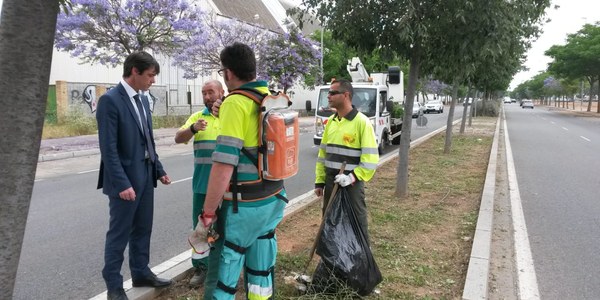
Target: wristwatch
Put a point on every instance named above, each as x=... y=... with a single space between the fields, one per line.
x=194 y=131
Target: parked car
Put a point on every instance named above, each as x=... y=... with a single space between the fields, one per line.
x=417 y=109
x=434 y=105
x=527 y=104
x=507 y=100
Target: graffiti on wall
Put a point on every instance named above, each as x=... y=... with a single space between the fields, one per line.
x=88 y=96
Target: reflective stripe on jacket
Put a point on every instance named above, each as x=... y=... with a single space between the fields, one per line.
x=204 y=145
x=349 y=139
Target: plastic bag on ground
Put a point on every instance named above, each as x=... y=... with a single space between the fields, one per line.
x=345 y=253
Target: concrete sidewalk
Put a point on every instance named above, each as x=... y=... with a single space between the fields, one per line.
x=69 y=147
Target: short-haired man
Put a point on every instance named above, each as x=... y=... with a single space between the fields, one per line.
x=129 y=169
x=348 y=137
x=203 y=126
x=248 y=235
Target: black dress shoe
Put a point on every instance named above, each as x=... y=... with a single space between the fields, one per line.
x=151 y=281
x=116 y=294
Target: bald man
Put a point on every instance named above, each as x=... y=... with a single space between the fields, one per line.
x=204 y=127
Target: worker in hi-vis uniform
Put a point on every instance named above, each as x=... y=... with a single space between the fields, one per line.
x=253 y=208
x=203 y=126
x=348 y=137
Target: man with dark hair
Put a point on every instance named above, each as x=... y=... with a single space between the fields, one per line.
x=348 y=137
x=129 y=169
x=248 y=235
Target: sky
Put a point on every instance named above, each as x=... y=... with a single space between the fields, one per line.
x=568 y=18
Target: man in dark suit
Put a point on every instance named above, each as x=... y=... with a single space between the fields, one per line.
x=129 y=170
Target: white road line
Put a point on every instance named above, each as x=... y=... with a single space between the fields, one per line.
x=552 y=122
x=88 y=171
x=181 y=180
x=583 y=137
x=527 y=280
x=564 y=128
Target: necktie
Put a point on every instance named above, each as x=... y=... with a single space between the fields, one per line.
x=151 y=153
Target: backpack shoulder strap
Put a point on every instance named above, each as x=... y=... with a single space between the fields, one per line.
x=257 y=97
x=253 y=94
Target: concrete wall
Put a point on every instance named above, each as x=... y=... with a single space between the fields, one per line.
x=82 y=98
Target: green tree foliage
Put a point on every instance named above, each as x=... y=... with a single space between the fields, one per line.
x=578 y=58
x=433 y=31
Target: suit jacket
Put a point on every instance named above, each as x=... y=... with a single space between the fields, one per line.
x=122 y=144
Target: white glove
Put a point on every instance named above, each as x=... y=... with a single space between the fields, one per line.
x=198 y=240
x=344 y=180
x=204 y=235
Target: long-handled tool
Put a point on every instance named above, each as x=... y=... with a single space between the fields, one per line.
x=331 y=198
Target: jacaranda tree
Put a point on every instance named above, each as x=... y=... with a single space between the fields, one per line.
x=288 y=58
x=200 y=52
x=283 y=58
x=105 y=31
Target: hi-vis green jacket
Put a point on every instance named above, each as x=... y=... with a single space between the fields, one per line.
x=350 y=139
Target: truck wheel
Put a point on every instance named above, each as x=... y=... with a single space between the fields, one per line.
x=384 y=141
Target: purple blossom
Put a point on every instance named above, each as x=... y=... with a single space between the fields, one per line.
x=104 y=31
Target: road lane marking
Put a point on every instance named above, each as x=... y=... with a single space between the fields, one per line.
x=564 y=128
x=88 y=171
x=181 y=180
x=552 y=122
x=583 y=137
x=527 y=279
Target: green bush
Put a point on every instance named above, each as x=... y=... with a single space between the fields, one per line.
x=75 y=123
x=397 y=110
x=168 y=121
x=488 y=108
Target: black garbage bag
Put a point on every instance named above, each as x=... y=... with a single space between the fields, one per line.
x=345 y=253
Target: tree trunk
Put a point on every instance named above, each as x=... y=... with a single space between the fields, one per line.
x=448 y=140
x=26 y=40
x=470 y=108
x=413 y=75
x=591 y=79
x=463 y=121
x=598 y=104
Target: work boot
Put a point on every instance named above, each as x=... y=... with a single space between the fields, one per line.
x=198 y=278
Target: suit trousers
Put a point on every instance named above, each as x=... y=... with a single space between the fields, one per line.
x=130 y=223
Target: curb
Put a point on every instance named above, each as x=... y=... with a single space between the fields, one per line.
x=89 y=152
x=476 y=282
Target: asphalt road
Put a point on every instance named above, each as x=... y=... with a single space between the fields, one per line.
x=557 y=171
x=62 y=254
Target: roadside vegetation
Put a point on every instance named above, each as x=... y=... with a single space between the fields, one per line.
x=421 y=244
x=77 y=124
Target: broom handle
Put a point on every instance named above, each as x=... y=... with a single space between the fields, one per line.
x=331 y=198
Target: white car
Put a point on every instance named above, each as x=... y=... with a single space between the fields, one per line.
x=434 y=105
x=417 y=109
x=527 y=104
